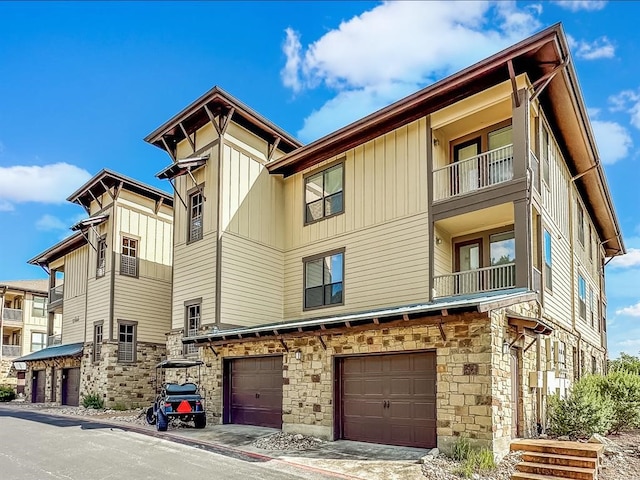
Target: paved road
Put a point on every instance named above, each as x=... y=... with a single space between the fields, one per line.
x=36 y=446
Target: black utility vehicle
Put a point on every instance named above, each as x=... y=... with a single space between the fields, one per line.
x=177 y=400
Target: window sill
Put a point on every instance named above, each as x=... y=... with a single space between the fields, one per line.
x=323 y=218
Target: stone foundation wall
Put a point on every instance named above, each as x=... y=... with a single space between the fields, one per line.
x=121 y=384
x=464 y=384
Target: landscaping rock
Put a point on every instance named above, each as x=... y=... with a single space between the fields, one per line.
x=286 y=441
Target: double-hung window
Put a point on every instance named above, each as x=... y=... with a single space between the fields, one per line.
x=101 y=262
x=582 y=296
x=323 y=280
x=580 y=224
x=38 y=341
x=192 y=325
x=126 y=342
x=324 y=193
x=97 y=341
x=196 y=204
x=129 y=257
x=548 y=282
x=39 y=307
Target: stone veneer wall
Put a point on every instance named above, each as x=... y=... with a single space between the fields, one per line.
x=8 y=374
x=121 y=384
x=464 y=384
x=58 y=364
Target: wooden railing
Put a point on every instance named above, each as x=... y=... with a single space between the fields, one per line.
x=482 y=171
x=497 y=277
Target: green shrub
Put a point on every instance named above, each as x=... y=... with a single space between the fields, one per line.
x=461 y=449
x=626 y=363
x=6 y=393
x=623 y=388
x=476 y=461
x=93 y=400
x=585 y=410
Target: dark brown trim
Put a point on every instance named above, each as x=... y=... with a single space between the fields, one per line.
x=304 y=278
x=456 y=253
x=135 y=341
x=482 y=135
x=190 y=193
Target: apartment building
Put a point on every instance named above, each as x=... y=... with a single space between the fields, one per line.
x=23 y=327
x=111 y=283
x=434 y=269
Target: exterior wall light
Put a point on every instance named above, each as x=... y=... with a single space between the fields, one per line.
x=505 y=347
x=298 y=355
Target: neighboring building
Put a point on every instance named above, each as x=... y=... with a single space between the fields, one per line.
x=111 y=282
x=23 y=326
x=432 y=270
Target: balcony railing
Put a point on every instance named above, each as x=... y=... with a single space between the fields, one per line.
x=12 y=315
x=482 y=171
x=56 y=293
x=11 y=350
x=534 y=163
x=54 y=340
x=497 y=277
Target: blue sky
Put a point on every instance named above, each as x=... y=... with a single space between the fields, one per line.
x=82 y=83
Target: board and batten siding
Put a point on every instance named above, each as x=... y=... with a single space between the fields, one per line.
x=98 y=301
x=252 y=282
x=73 y=320
x=75 y=273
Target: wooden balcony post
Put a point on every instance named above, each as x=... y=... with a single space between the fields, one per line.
x=522 y=230
x=520 y=134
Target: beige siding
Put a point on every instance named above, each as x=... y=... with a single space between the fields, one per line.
x=75 y=273
x=385 y=265
x=442 y=254
x=385 y=179
x=252 y=282
x=146 y=301
x=194 y=277
x=73 y=320
x=99 y=299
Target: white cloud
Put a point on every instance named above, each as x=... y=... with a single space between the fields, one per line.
x=599 y=48
x=577 y=5
x=43 y=184
x=373 y=58
x=49 y=222
x=630 y=260
x=5 y=206
x=632 y=310
x=613 y=140
x=628 y=101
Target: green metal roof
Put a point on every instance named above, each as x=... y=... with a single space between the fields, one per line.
x=70 y=350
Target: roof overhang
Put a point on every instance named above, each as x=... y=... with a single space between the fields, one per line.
x=60 y=249
x=537 y=56
x=110 y=182
x=534 y=326
x=90 y=222
x=218 y=103
x=59 y=351
x=435 y=312
x=181 y=167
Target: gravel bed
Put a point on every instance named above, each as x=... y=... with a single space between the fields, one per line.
x=287 y=441
x=442 y=468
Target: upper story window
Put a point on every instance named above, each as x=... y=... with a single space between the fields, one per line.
x=582 y=296
x=38 y=341
x=126 y=342
x=580 y=224
x=544 y=155
x=592 y=308
x=97 y=341
x=590 y=243
x=192 y=324
x=196 y=204
x=548 y=282
x=324 y=193
x=323 y=285
x=562 y=355
x=129 y=257
x=39 y=307
x=101 y=262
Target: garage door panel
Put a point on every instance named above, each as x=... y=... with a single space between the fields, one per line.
x=255 y=391
x=389 y=399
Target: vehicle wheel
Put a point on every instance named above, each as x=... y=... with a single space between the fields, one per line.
x=200 y=421
x=162 y=422
x=151 y=417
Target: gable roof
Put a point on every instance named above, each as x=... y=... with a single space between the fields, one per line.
x=562 y=101
x=31 y=286
x=106 y=179
x=60 y=249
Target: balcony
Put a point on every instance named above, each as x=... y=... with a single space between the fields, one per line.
x=12 y=316
x=56 y=294
x=11 y=350
x=476 y=173
x=497 y=277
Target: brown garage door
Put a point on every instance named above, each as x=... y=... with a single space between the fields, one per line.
x=71 y=386
x=254 y=391
x=389 y=399
x=37 y=387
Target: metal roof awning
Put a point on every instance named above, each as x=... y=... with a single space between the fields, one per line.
x=531 y=324
x=181 y=167
x=90 y=222
x=70 y=350
x=480 y=302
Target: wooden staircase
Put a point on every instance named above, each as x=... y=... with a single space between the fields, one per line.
x=556 y=460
